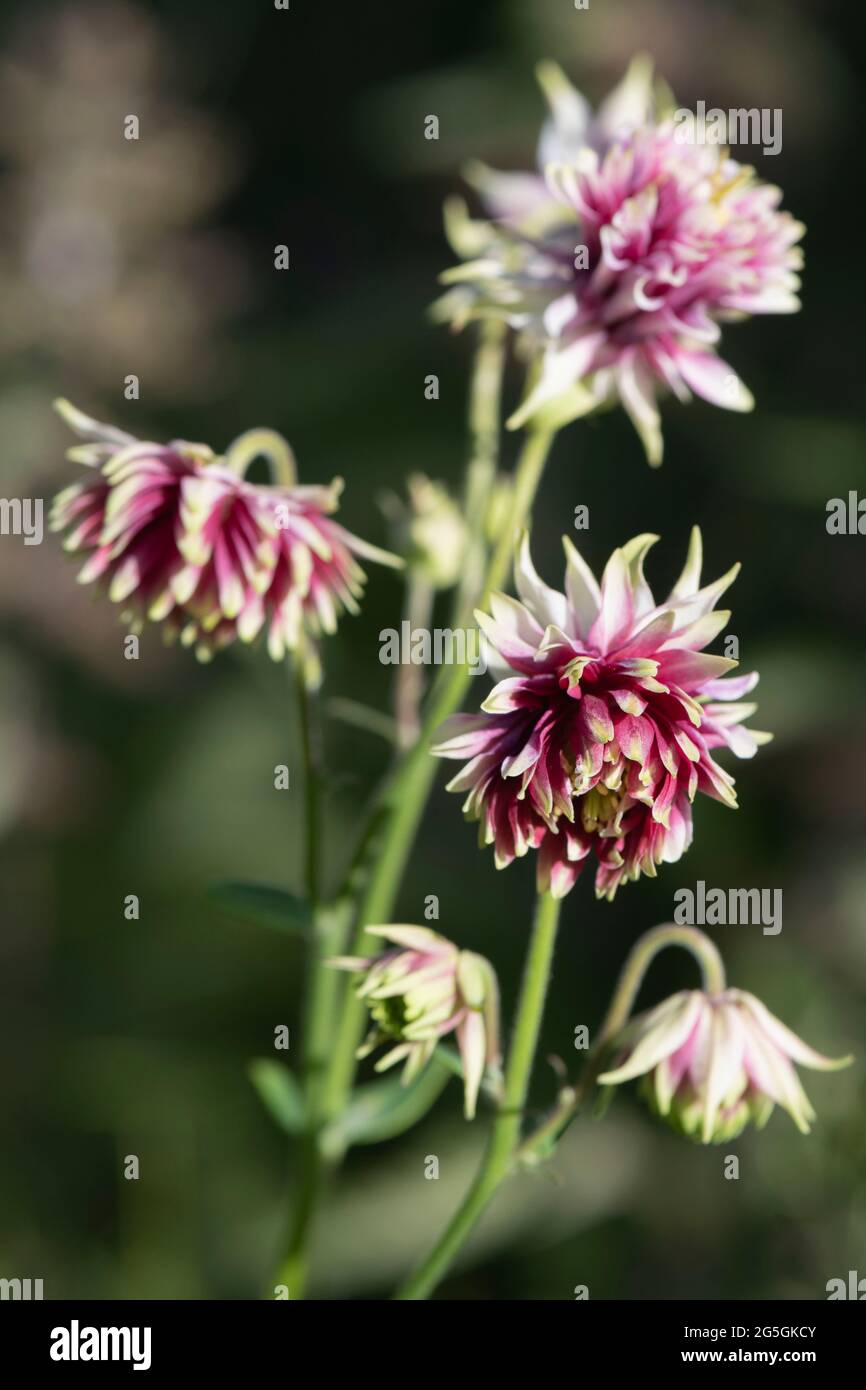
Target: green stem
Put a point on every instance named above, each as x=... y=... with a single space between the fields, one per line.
x=310 y=753
x=320 y=993
x=527 y=477
x=330 y=931
x=485 y=399
x=631 y=977
x=410 y=678
x=263 y=443
x=505 y=1134
x=641 y=956
x=405 y=796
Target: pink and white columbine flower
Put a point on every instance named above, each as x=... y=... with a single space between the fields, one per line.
x=265 y=559
x=653 y=243
x=713 y=1063
x=421 y=992
x=603 y=729
x=175 y=536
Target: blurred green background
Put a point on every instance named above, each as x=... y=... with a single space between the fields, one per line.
x=261 y=127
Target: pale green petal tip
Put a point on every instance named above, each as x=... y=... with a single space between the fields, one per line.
x=71 y=415
x=552 y=81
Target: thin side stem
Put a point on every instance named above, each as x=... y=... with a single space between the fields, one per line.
x=485 y=401
x=263 y=443
x=320 y=991
x=641 y=956
x=310 y=754
x=410 y=678
x=313 y=1163
x=527 y=477
x=506 y=1127
x=631 y=977
x=405 y=796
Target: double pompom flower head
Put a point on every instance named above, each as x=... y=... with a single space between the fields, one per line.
x=176 y=536
x=602 y=730
x=619 y=260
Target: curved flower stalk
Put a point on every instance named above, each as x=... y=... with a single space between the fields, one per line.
x=603 y=729
x=713 y=1063
x=712 y=1060
x=619 y=269
x=422 y=991
x=176 y=536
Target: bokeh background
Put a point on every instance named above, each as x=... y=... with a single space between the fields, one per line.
x=155 y=777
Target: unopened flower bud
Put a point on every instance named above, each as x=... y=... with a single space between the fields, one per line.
x=711 y=1063
x=430 y=531
x=420 y=992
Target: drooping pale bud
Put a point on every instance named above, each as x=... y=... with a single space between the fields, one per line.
x=710 y=1064
x=422 y=991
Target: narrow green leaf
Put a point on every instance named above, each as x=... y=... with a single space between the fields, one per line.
x=384 y=1109
x=359 y=716
x=264 y=905
x=280 y=1094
